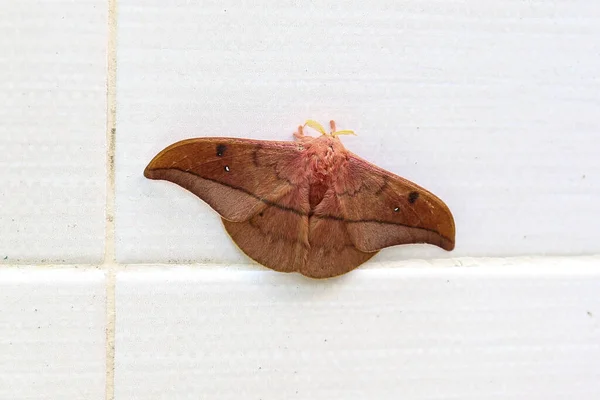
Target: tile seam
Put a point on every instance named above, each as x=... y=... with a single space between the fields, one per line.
x=109 y=264
x=436 y=263
x=110 y=333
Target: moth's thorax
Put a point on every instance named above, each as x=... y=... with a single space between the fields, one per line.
x=325 y=155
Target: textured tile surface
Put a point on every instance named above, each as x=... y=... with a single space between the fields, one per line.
x=491 y=105
x=52 y=334
x=52 y=131
x=514 y=331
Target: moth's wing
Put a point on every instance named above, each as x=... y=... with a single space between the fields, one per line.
x=365 y=209
x=277 y=237
x=381 y=209
x=258 y=187
x=332 y=251
x=237 y=177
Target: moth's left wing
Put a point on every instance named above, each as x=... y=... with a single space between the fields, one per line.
x=258 y=187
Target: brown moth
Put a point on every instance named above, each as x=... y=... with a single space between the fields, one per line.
x=308 y=206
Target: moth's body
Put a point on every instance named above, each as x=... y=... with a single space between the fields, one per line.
x=309 y=206
x=325 y=156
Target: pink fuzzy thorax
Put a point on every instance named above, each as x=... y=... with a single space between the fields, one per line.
x=324 y=156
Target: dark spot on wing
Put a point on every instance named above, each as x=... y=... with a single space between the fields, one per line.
x=412 y=197
x=221 y=150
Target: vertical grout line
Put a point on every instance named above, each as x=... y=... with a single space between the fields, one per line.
x=110 y=333
x=111 y=131
x=109 y=249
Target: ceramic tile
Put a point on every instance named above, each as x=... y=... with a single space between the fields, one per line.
x=52 y=334
x=513 y=331
x=53 y=130
x=492 y=106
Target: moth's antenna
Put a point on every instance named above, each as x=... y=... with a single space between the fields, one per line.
x=316 y=126
x=342 y=132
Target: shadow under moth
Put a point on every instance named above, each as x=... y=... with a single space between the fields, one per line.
x=309 y=205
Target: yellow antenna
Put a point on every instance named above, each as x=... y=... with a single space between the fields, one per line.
x=315 y=125
x=342 y=132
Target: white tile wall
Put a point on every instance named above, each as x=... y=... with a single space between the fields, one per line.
x=52 y=130
x=491 y=105
x=52 y=334
x=518 y=331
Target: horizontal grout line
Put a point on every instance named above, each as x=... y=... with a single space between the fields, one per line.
x=437 y=264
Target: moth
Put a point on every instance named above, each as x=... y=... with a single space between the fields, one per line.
x=308 y=205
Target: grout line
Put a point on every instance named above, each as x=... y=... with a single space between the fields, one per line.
x=110 y=333
x=434 y=264
x=109 y=241
x=109 y=244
